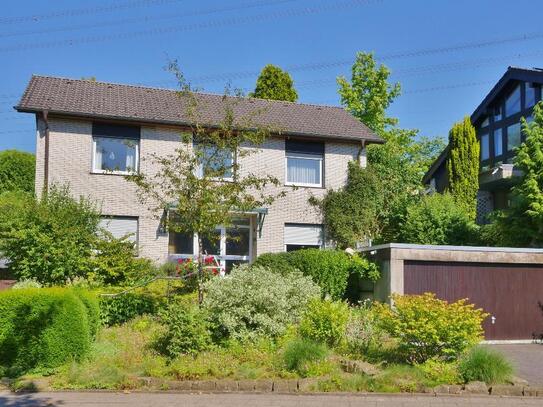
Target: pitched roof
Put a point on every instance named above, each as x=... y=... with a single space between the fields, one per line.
x=101 y=100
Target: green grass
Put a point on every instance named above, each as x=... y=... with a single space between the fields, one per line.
x=485 y=365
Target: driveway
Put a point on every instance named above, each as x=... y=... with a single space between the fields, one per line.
x=87 y=399
x=527 y=359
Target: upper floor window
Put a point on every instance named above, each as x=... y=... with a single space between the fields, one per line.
x=216 y=163
x=530 y=95
x=115 y=148
x=485 y=147
x=513 y=136
x=498 y=142
x=485 y=122
x=498 y=113
x=512 y=103
x=304 y=163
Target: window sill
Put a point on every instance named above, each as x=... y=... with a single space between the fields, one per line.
x=118 y=173
x=314 y=186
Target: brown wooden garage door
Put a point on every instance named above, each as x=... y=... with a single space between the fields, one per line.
x=512 y=293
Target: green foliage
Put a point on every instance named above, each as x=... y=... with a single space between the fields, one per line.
x=26 y=283
x=254 y=301
x=187 y=330
x=439 y=371
x=17 y=169
x=485 y=365
x=325 y=321
x=51 y=239
x=275 y=84
x=330 y=269
x=92 y=306
x=427 y=327
x=363 y=332
x=438 y=219
x=463 y=166
x=43 y=328
x=369 y=94
x=299 y=354
x=120 y=308
x=521 y=225
x=115 y=262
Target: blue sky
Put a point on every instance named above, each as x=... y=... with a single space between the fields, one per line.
x=446 y=53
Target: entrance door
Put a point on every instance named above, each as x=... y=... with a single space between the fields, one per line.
x=511 y=293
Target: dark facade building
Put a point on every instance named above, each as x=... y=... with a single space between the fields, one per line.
x=497 y=121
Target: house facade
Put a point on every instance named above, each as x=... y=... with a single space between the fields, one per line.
x=497 y=121
x=91 y=134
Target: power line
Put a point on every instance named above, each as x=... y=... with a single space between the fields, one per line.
x=84 y=11
x=146 y=19
x=288 y=13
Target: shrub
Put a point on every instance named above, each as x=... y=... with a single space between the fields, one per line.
x=485 y=365
x=254 y=300
x=92 y=305
x=26 y=283
x=440 y=372
x=42 y=328
x=325 y=321
x=17 y=169
x=438 y=219
x=330 y=269
x=119 y=308
x=300 y=354
x=362 y=331
x=187 y=330
x=427 y=327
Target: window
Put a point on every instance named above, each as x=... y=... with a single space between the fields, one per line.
x=115 y=148
x=498 y=142
x=216 y=163
x=303 y=236
x=230 y=245
x=485 y=147
x=513 y=136
x=512 y=103
x=497 y=113
x=121 y=227
x=530 y=95
x=485 y=122
x=304 y=163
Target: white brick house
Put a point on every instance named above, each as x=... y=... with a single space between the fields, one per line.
x=84 y=127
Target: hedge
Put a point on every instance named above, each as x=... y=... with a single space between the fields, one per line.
x=45 y=327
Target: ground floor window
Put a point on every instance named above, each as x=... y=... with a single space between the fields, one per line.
x=229 y=245
x=303 y=236
x=121 y=226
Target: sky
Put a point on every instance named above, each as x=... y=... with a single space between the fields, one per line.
x=446 y=54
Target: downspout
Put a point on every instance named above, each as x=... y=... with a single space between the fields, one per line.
x=46 y=153
x=360 y=151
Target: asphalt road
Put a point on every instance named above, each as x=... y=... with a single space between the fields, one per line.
x=163 y=399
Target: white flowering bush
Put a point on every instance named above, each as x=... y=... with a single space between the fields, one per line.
x=254 y=301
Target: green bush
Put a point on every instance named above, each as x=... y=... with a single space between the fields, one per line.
x=485 y=365
x=42 y=328
x=427 y=327
x=440 y=372
x=187 y=330
x=300 y=354
x=254 y=301
x=325 y=321
x=120 y=308
x=363 y=332
x=17 y=169
x=330 y=269
x=438 y=219
x=26 y=283
x=92 y=305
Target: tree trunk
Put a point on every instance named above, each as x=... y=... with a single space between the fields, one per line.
x=200 y=272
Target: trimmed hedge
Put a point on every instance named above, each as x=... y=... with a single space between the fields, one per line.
x=330 y=269
x=45 y=327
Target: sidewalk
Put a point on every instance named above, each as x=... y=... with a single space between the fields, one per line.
x=79 y=399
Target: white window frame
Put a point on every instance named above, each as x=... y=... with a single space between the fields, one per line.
x=322 y=244
x=200 y=171
x=301 y=156
x=222 y=257
x=95 y=170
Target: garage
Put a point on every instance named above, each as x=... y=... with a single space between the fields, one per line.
x=510 y=293
x=505 y=282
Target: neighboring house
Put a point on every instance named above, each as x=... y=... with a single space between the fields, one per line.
x=86 y=128
x=497 y=121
